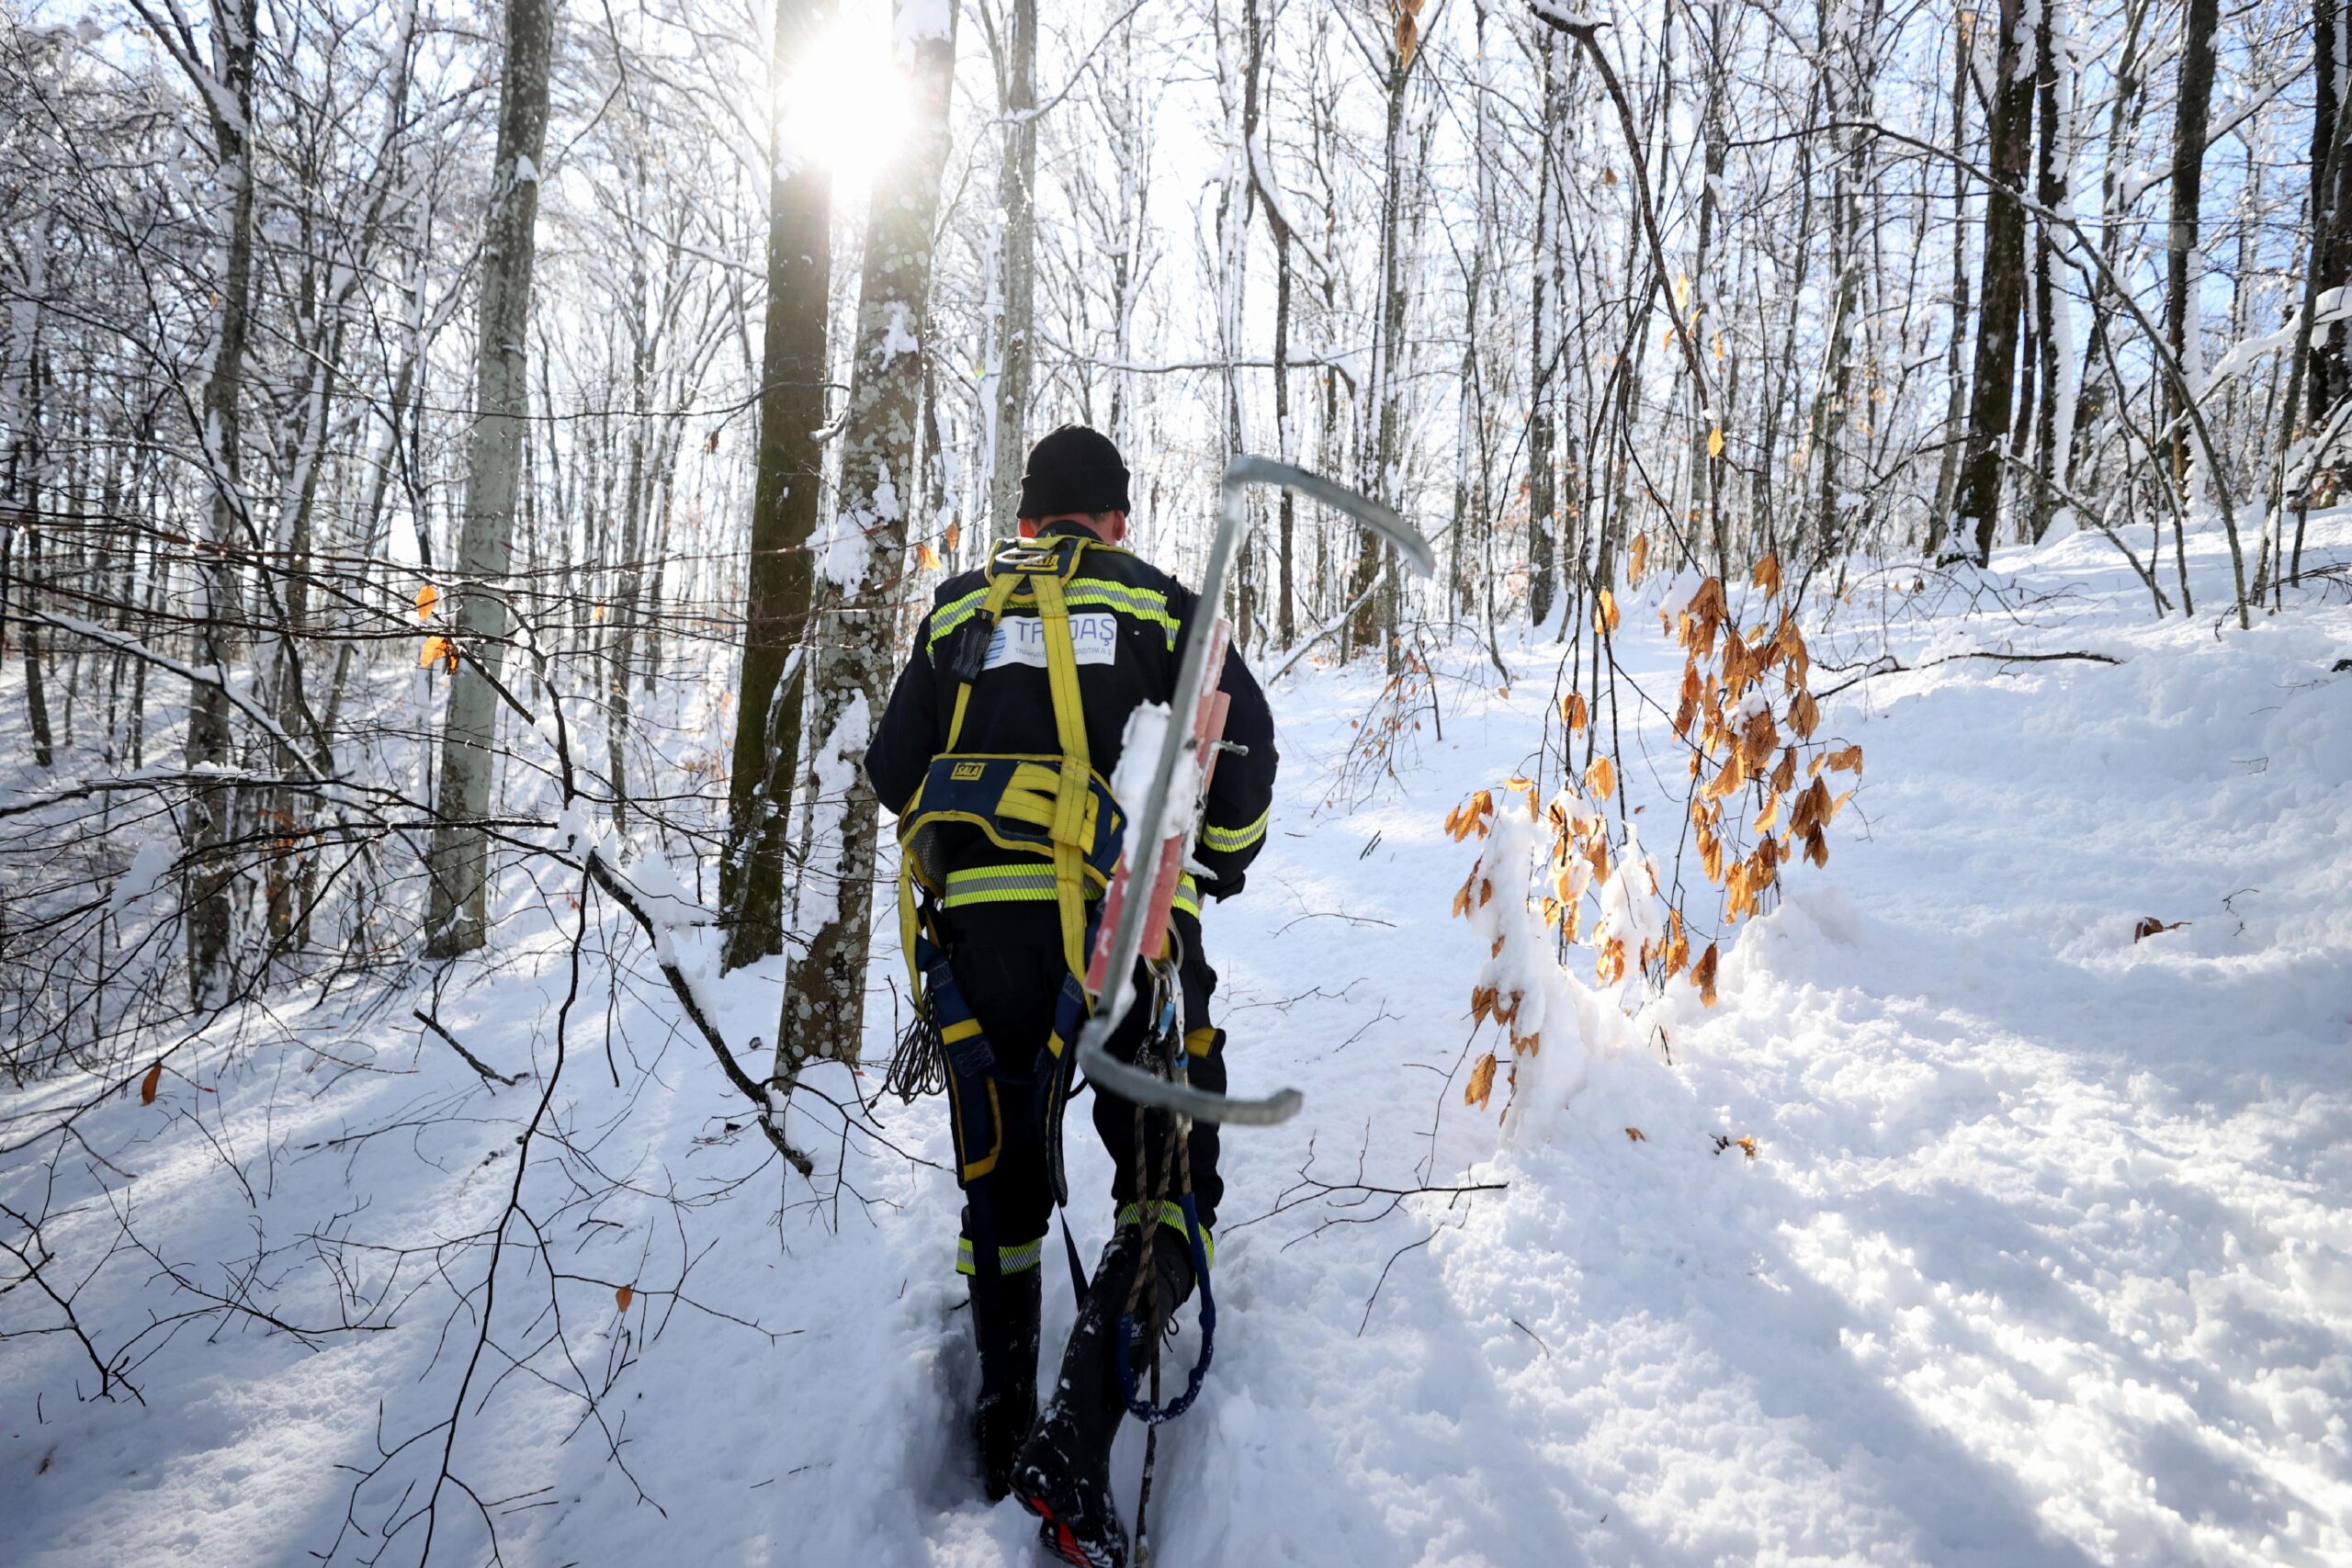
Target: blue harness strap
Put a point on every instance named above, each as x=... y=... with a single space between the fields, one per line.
x=1170 y=1030
x=976 y=1117
x=1143 y=1409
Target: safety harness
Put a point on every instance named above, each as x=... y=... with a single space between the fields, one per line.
x=1056 y=823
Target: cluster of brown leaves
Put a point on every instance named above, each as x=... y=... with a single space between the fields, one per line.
x=1394 y=716
x=1740 y=742
x=1759 y=798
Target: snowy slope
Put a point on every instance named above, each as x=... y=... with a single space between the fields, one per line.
x=2045 y=1255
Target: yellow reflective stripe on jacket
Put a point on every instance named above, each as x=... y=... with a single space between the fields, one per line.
x=1008 y=1259
x=1001 y=884
x=954 y=613
x=1143 y=603
x=1036 y=882
x=1229 y=839
x=1171 y=1216
x=1082 y=593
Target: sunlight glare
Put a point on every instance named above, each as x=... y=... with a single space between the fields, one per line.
x=845 y=104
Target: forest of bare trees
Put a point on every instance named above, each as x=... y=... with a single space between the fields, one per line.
x=386 y=390
x=469 y=472
x=446 y=452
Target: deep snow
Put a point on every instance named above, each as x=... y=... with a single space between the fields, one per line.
x=2045 y=1255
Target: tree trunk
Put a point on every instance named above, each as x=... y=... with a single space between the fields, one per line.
x=2193 y=112
x=1541 y=580
x=824 y=1000
x=2329 y=376
x=1707 y=460
x=2003 y=294
x=621 y=623
x=28 y=462
x=1019 y=278
x=2096 y=385
x=784 y=514
x=1382 y=434
x=209 y=897
x=458 y=861
x=2050 y=190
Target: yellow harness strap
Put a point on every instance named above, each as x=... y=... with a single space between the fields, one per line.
x=993 y=608
x=1040 y=582
x=1073 y=797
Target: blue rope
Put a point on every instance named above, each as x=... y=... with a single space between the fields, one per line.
x=1143 y=1410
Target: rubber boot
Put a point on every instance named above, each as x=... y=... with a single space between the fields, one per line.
x=1007 y=1407
x=1063 y=1475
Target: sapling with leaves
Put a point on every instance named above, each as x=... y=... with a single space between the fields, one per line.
x=1570 y=869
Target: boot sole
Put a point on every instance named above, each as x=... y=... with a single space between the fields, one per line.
x=1058 y=1538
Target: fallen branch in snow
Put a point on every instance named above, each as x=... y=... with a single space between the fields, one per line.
x=476 y=1063
x=33 y=1256
x=1889 y=665
x=596 y=868
x=1350 y=1195
x=626 y=896
x=1355 y=1195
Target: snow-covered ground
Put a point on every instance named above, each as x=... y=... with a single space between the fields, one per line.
x=2044 y=1255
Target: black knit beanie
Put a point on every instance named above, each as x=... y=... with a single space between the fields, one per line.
x=1073 y=469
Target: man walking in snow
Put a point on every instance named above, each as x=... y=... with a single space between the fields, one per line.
x=1009 y=714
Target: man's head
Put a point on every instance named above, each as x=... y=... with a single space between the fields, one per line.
x=1075 y=476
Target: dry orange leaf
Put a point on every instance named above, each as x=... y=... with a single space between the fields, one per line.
x=1572 y=711
x=1804 y=716
x=1715 y=436
x=1636 y=1135
x=1604 y=612
x=1848 y=759
x=426 y=597
x=1600 y=779
x=438 y=650
x=927 y=557
x=1482 y=1082
x=1767 y=574
x=1638 y=561
x=625 y=1295
x=1702 y=975
x=147 y=1084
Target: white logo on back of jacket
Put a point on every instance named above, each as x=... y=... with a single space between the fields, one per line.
x=1021 y=640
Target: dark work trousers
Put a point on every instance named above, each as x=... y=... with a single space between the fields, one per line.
x=1011 y=974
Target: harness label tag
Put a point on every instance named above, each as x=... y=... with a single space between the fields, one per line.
x=1021 y=640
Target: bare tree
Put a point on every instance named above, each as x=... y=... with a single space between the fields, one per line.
x=456 y=916
x=779 y=582
x=2001 y=296
x=1017 y=179
x=824 y=1003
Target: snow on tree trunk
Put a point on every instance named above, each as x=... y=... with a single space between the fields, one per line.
x=458 y=861
x=226 y=85
x=863 y=559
